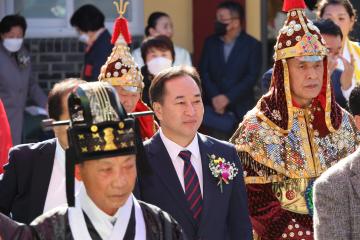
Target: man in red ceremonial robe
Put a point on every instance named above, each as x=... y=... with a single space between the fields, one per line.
x=295 y=132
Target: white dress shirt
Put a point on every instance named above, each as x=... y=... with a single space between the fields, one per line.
x=56 y=194
x=182 y=57
x=174 y=149
x=102 y=222
x=340 y=65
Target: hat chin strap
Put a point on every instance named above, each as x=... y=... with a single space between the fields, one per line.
x=70 y=176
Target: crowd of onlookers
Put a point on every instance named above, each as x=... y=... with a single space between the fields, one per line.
x=228 y=81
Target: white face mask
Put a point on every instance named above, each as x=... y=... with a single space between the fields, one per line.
x=84 y=38
x=158 y=64
x=12 y=44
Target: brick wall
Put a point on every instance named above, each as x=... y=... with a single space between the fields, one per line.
x=54 y=59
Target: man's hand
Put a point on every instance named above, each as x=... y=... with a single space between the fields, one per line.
x=348 y=73
x=220 y=103
x=332 y=64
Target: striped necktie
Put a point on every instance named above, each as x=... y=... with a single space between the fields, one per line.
x=192 y=186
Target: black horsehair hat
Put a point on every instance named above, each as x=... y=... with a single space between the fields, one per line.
x=99 y=128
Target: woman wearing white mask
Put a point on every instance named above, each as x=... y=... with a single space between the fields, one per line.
x=159 y=23
x=158 y=54
x=16 y=82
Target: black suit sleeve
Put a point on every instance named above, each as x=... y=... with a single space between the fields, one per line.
x=238 y=217
x=99 y=60
x=142 y=164
x=8 y=184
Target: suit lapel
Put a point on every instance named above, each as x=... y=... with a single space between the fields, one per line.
x=220 y=53
x=43 y=166
x=210 y=188
x=235 y=51
x=355 y=180
x=159 y=156
x=355 y=172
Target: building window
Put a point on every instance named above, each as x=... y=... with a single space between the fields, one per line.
x=51 y=18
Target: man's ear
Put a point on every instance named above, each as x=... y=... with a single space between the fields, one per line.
x=78 y=172
x=357 y=121
x=157 y=110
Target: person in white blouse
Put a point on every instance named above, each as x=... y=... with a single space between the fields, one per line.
x=159 y=23
x=343 y=14
x=34 y=178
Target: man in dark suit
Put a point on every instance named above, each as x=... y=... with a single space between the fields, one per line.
x=182 y=182
x=229 y=67
x=34 y=178
x=105 y=206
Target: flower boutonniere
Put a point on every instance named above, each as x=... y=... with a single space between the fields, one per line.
x=23 y=59
x=222 y=170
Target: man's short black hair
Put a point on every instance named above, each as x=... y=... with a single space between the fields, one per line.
x=10 y=21
x=327 y=26
x=157 y=87
x=354 y=101
x=57 y=93
x=87 y=18
x=234 y=7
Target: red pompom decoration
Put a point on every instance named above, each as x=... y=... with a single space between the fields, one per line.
x=293 y=4
x=121 y=27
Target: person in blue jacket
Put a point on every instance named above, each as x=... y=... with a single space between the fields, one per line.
x=89 y=23
x=229 y=68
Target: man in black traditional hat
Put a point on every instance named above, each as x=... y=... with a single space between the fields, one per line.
x=104 y=146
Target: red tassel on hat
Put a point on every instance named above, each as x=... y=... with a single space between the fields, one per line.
x=121 y=27
x=293 y=4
